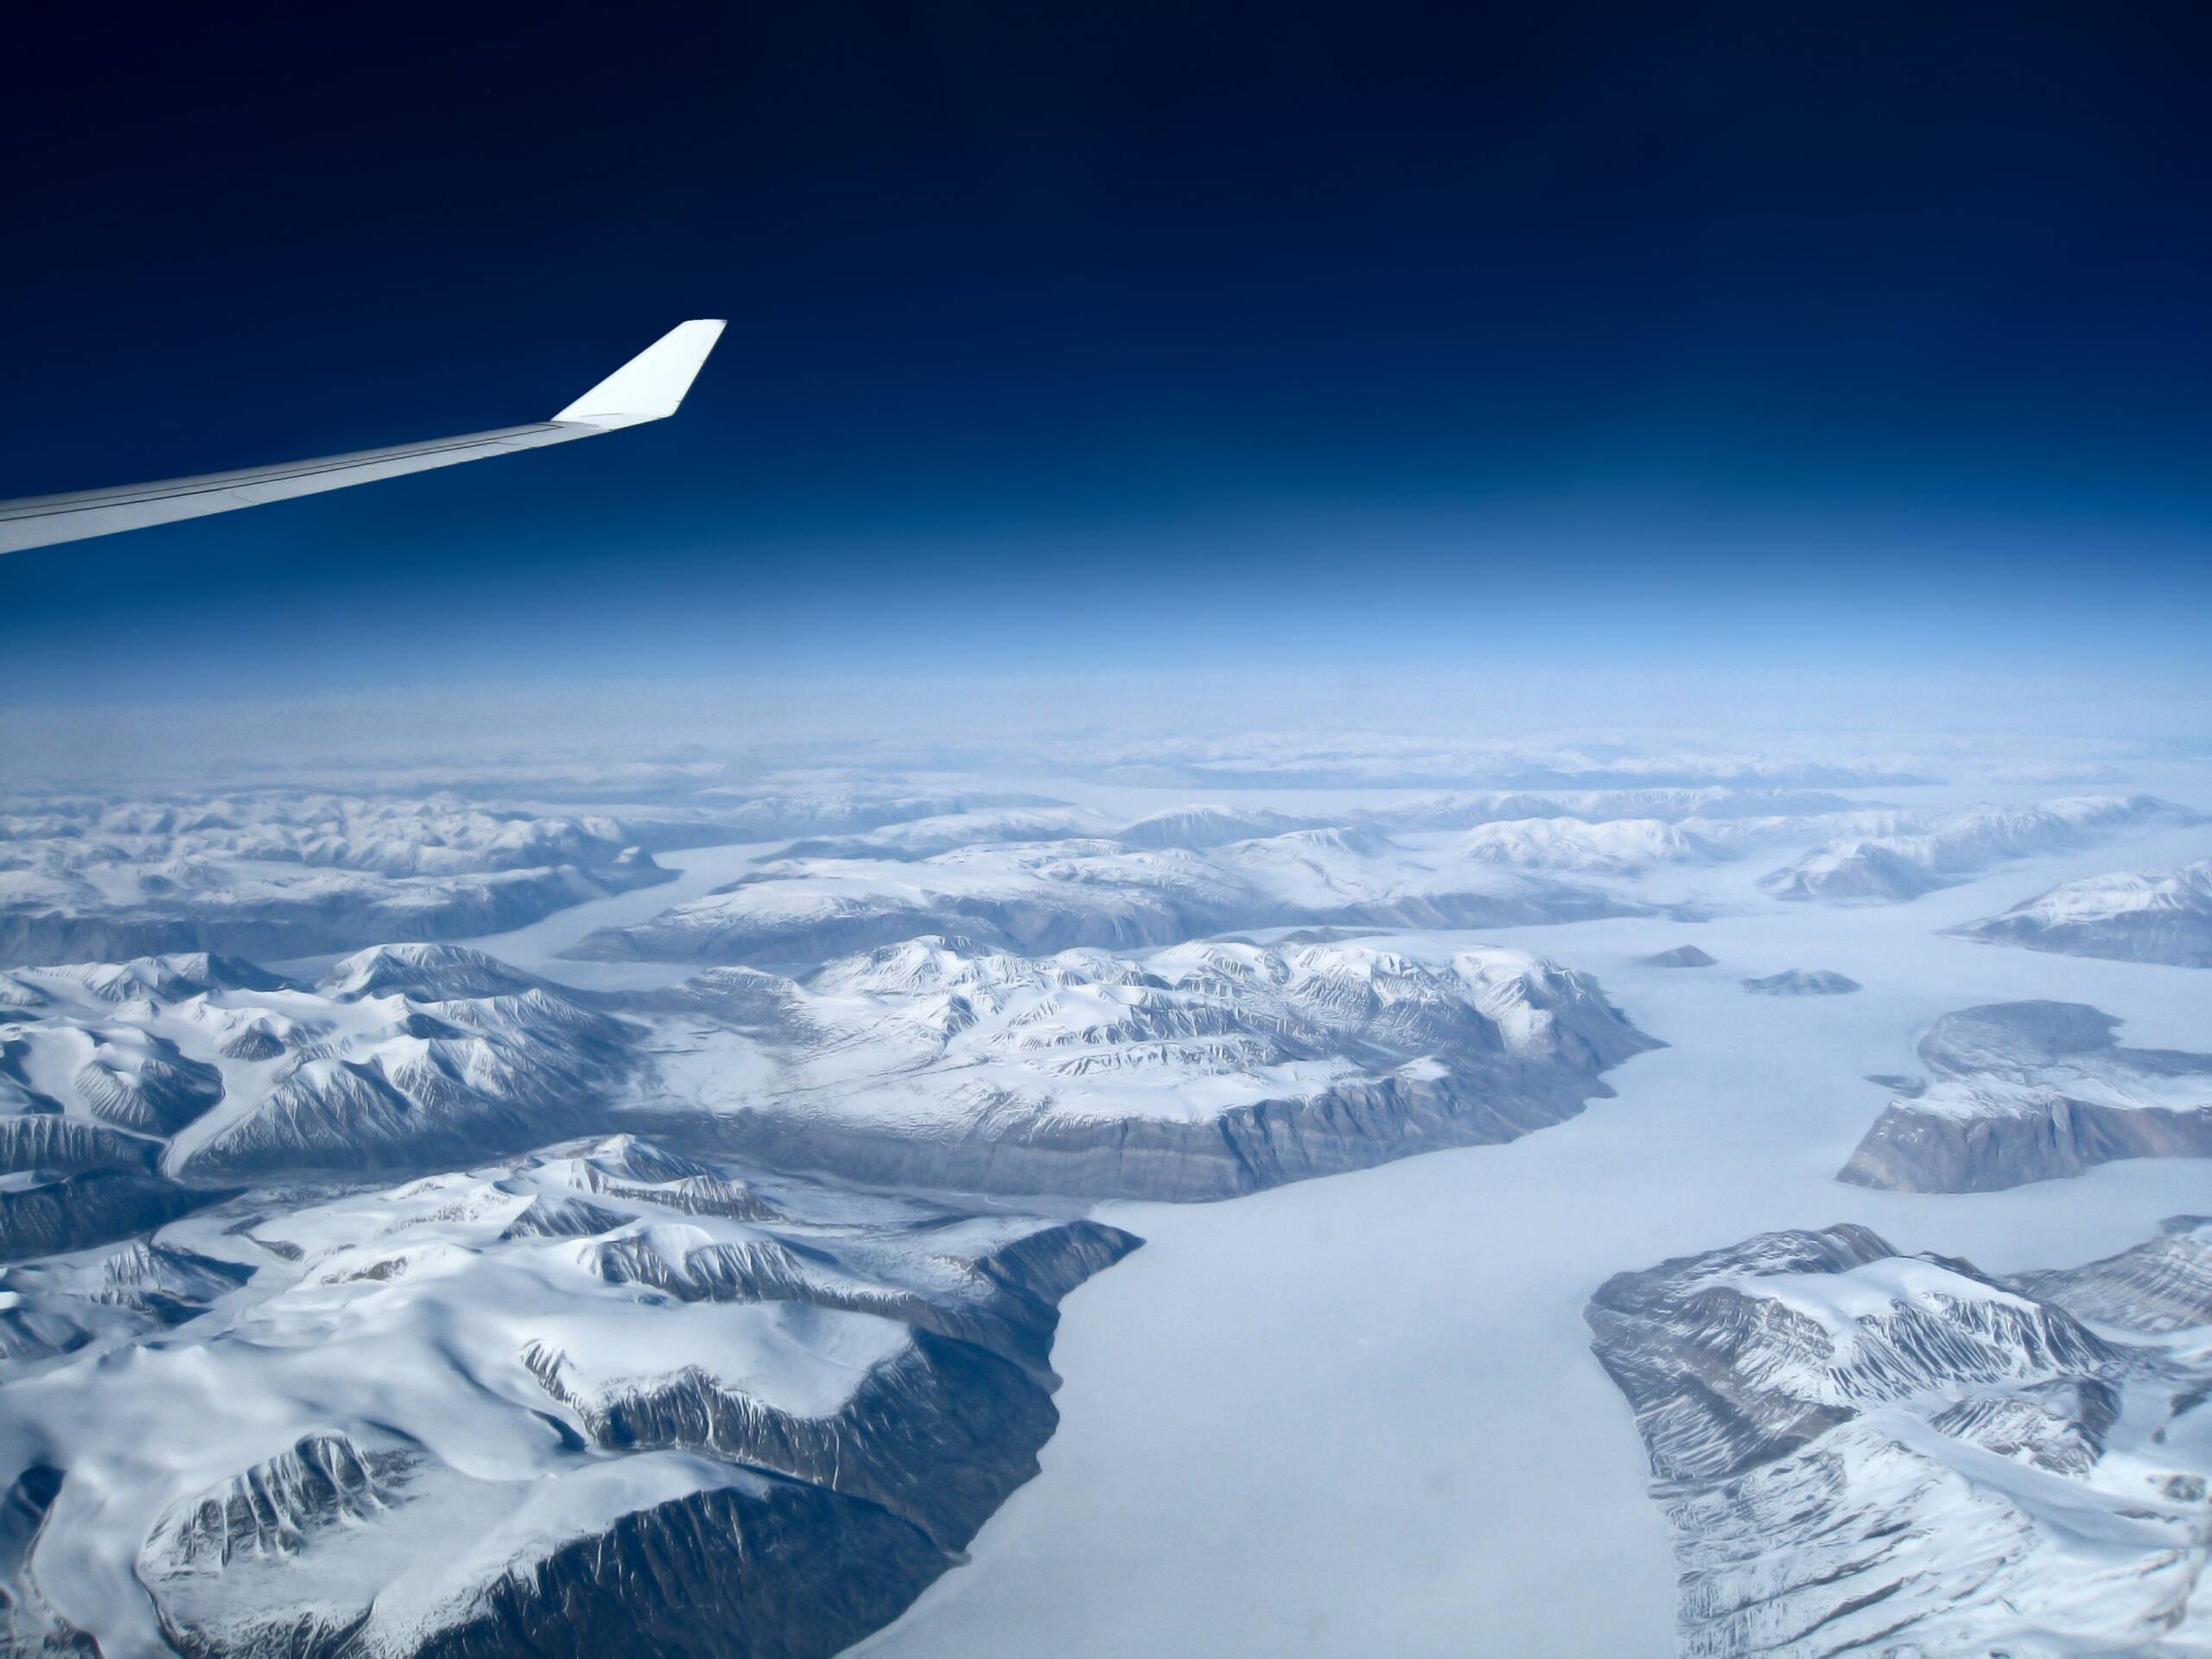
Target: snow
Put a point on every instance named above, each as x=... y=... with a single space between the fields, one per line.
x=405 y=1322
x=1617 y=847
x=932 y=1035
x=2101 y=897
x=286 y=872
x=1413 y=1333
x=807 y=1361
x=347 y=1058
x=1943 y=848
x=1839 y=1301
x=783 y=911
x=1415 y=1330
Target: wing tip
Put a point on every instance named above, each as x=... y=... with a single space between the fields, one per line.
x=650 y=386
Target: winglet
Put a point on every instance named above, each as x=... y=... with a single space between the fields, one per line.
x=651 y=385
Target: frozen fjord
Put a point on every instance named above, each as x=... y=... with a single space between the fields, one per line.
x=1361 y=1415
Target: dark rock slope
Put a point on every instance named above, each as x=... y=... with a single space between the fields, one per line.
x=2034 y=1091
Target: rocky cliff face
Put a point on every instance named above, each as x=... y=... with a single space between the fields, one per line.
x=72 y=1212
x=2034 y=1091
x=1866 y=1451
x=1246 y=1148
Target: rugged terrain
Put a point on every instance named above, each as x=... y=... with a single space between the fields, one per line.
x=2033 y=1091
x=513 y=1315
x=1038 y=881
x=2147 y=916
x=1865 y=1451
x=1200 y=1072
x=129 y=1090
x=596 y=1396
x=1921 y=852
x=291 y=873
x=277 y=873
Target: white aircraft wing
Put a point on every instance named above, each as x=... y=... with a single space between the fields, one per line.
x=649 y=387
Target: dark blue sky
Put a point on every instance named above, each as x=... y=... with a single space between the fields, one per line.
x=1131 y=333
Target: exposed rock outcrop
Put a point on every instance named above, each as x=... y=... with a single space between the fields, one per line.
x=1862 y=1451
x=1683 y=956
x=2034 y=1091
x=1797 y=981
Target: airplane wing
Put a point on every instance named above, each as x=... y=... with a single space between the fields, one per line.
x=649 y=387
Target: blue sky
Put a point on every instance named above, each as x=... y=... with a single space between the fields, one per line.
x=1139 y=336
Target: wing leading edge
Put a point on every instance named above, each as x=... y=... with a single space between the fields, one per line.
x=649 y=387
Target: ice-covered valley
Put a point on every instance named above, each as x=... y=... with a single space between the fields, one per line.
x=1432 y=1451
x=719 y=1298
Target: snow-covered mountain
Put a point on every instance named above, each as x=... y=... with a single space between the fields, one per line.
x=601 y=1399
x=947 y=832
x=2033 y=1091
x=1864 y=1452
x=1635 y=836
x=1042 y=897
x=2161 y=1285
x=278 y=873
x=738 y=813
x=1716 y=802
x=289 y=873
x=1616 y=847
x=1042 y=879
x=1205 y=826
x=422 y=1305
x=628 y=1388
x=1395 y=760
x=2138 y=916
x=119 y=1081
x=1927 y=851
x=1195 y=1072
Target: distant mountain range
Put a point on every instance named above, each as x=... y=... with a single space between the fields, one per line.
x=1930 y=851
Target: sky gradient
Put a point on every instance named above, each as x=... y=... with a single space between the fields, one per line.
x=1759 y=339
